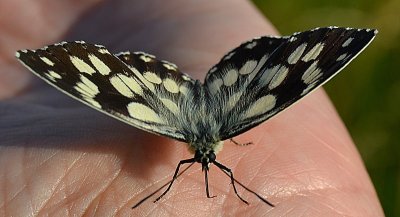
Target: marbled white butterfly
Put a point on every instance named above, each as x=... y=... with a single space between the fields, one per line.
x=250 y=84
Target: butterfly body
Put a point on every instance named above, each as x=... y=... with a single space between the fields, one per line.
x=249 y=85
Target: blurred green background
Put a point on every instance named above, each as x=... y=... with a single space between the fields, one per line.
x=366 y=93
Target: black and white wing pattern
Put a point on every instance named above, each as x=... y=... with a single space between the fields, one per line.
x=266 y=75
x=249 y=85
x=135 y=87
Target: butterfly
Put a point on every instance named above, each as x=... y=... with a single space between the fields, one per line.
x=249 y=85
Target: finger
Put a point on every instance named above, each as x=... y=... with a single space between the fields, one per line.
x=32 y=24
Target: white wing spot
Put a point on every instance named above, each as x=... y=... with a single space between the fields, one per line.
x=229 y=55
x=278 y=77
x=131 y=83
x=309 y=87
x=145 y=54
x=251 y=45
x=347 y=42
x=257 y=69
x=261 y=106
x=230 y=77
x=314 y=52
x=186 y=77
x=184 y=90
x=103 y=51
x=93 y=102
x=47 y=61
x=172 y=106
x=99 y=65
x=125 y=54
x=88 y=86
x=88 y=90
x=213 y=69
x=267 y=75
x=81 y=65
x=125 y=85
x=142 y=79
x=170 y=85
x=296 y=33
x=52 y=75
x=273 y=76
x=341 y=57
x=142 y=112
x=146 y=58
x=169 y=66
x=295 y=56
x=215 y=85
x=292 y=39
x=152 y=77
x=248 y=67
x=312 y=74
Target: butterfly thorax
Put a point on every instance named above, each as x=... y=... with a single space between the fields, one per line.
x=206 y=147
x=198 y=121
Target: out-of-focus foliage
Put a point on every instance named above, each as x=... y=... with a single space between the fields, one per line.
x=367 y=92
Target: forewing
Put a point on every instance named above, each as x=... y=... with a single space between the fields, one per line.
x=135 y=88
x=249 y=86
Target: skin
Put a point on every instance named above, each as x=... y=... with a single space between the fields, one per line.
x=59 y=157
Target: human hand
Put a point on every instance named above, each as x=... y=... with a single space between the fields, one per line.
x=59 y=157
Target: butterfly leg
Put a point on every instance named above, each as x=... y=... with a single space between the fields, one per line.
x=229 y=173
x=206 y=180
x=191 y=160
x=240 y=144
x=159 y=189
x=227 y=170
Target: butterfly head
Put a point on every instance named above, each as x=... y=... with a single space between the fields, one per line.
x=205 y=152
x=205 y=157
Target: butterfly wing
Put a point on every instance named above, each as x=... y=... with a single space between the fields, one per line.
x=135 y=88
x=262 y=77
